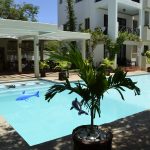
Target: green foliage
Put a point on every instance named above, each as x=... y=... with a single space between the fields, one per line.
x=63 y=65
x=10 y=10
x=71 y=23
x=95 y=83
x=122 y=36
x=107 y=63
x=43 y=65
x=52 y=45
x=147 y=54
x=112 y=47
x=97 y=37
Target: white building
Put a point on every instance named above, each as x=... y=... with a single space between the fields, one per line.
x=112 y=16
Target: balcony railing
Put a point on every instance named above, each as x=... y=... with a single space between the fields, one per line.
x=135 y=31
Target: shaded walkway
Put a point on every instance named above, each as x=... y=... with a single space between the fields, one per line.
x=130 y=133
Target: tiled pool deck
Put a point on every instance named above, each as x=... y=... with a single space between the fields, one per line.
x=130 y=133
x=49 y=76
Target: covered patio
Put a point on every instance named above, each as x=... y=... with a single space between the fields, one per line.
x=36 y=32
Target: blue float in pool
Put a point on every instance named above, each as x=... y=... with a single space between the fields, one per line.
x=27 y=96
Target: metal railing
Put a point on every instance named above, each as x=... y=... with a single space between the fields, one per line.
x=135 y=31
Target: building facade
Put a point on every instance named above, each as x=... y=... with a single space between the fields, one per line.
x=113 y=16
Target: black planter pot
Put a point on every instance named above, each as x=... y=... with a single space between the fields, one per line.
x=100 y=139
x=63 y=75
x=43 y=73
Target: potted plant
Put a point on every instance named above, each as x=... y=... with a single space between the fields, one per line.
x=108 y=64
x=92 y=88
x=63 y=66
x=43 y=67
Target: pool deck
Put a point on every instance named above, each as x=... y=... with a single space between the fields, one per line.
x=129 y=133
x=51 y=76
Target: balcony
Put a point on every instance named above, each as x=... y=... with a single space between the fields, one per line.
x=146 y=33
x=146 y=3
x=135 y=31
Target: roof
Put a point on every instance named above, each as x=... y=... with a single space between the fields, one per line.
x=15 y=29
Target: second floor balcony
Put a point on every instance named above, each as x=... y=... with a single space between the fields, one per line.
x=135 y=31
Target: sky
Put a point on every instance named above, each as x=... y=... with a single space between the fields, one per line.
x=47 y=10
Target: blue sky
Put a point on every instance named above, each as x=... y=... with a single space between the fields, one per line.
x=47 y=11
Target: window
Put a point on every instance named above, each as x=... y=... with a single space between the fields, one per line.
x=146 y=48
x=146 y=18
x=78 y=1
x=122 y=24
x=106 y=23
x=60 y=1
x=87 y=23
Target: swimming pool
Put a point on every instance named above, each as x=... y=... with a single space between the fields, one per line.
x=38 y=121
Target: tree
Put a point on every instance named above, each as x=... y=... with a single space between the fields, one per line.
x=71 y=23
x=10 y=10
x=93 y=85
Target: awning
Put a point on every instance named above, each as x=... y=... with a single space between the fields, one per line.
x=16 y=29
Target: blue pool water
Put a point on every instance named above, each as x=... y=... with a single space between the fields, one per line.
x=38 y=121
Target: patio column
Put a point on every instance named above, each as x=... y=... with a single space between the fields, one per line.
x=113 y=22
x=36 y=56
x=140 y=49
x=83 y=48
x=19 y=55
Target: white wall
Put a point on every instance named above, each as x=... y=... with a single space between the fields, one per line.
x=62 y=17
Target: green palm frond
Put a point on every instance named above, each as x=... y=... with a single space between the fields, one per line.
x=94 y=84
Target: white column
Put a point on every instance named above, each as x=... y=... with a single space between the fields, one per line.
x=113 y=19
x=36 y=56
x=83 y=48
x=113 y=22
x=142 y=59
x=140 y=49
x=141 y=22
x=19 y=56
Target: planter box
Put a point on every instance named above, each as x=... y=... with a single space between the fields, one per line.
x=102 y=142
x=63 y=75
x=43 y=73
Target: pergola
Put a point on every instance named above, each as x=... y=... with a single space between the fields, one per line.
x=22 y=30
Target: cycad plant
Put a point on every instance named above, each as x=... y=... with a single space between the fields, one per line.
x=94 y=83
